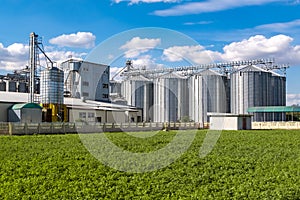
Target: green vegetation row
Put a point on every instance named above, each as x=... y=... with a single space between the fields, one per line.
x=242 y=165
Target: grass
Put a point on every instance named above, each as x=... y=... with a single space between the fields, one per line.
x=242 y=165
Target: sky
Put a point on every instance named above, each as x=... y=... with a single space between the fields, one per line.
x=155 y=33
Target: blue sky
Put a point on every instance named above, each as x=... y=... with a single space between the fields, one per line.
x=225 y=30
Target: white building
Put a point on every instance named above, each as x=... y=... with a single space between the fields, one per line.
x=86 y=80
x=79 y=110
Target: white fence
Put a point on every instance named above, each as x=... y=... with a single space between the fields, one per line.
x=275 y=125
x=79 y=127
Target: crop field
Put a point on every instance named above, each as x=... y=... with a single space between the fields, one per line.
x=242 y=165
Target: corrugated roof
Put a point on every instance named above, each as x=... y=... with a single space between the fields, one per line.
x=209 y=72
x=138 y=78
x=274 y=109
x=15 y=97
x=172 y=75
x=25 y=105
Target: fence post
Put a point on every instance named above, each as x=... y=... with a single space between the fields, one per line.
x=39 y=128
x=52 y=127
x=10 y=128
x=104 y=127
x=25 y=128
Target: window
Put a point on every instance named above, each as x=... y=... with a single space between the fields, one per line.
x=105 y=96
x=85 y=83
x=85 y=94
x=99 y=119
x=91 y=115
x=82 y=115
x=104 y=85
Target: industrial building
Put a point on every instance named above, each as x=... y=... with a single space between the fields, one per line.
x=81 y=91
x=189 y=93
x=77 y=110
x=86 y=80
x=138 y=92
x=170 y=98
x=77 y=91
x=208 y=92
x=252 y=86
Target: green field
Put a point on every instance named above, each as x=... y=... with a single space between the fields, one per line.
x=242 y=165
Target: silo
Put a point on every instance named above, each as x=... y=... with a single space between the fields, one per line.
x=252 y=86
x=52 y=86
x=2 y=85
x=170 y=98
x=278 y=95
x=22 y=87
x=115 y=87
x=52 y=94
x=11 y=86
x=138 y=92
x=208 y=92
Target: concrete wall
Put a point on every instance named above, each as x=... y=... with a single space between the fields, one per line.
x=230 y=123
x=102 y=116
x=3 y=111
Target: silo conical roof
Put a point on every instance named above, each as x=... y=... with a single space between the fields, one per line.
x=209 y=72
x=251 y=68
x=172 y=75
x=138 y=78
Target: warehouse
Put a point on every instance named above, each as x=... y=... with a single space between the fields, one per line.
x=78 y=109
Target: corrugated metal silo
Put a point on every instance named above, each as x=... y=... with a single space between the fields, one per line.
x=208 y=92
x=252 y=86
x=22 y=87
x=138 y=92
x=52 y=86
x=2 y=85
x=170 y=98
x=11 y=86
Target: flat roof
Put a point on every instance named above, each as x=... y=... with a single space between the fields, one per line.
x=274 y=109
x=21 y=98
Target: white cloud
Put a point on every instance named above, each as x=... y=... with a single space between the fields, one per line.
x=146 y=1
x=146 y=61
x=280 y=27
x=198 y=23
x=292 y=99
x=14 y=56
x=79 y=39
x=209 y=6
x=60 y=56
x=137 y=46
x=114 y=71
x=278 y=46
x=193 y=54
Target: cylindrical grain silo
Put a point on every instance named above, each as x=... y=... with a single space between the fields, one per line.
x=277 y=95
x=22 y=87
x=2 y=85
x=11 y=86
x=170 y=98
x=138 y=92
x=252 y=86
x=249 y=88
x=52 y=95
x=208 y=92
x=52 y=90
